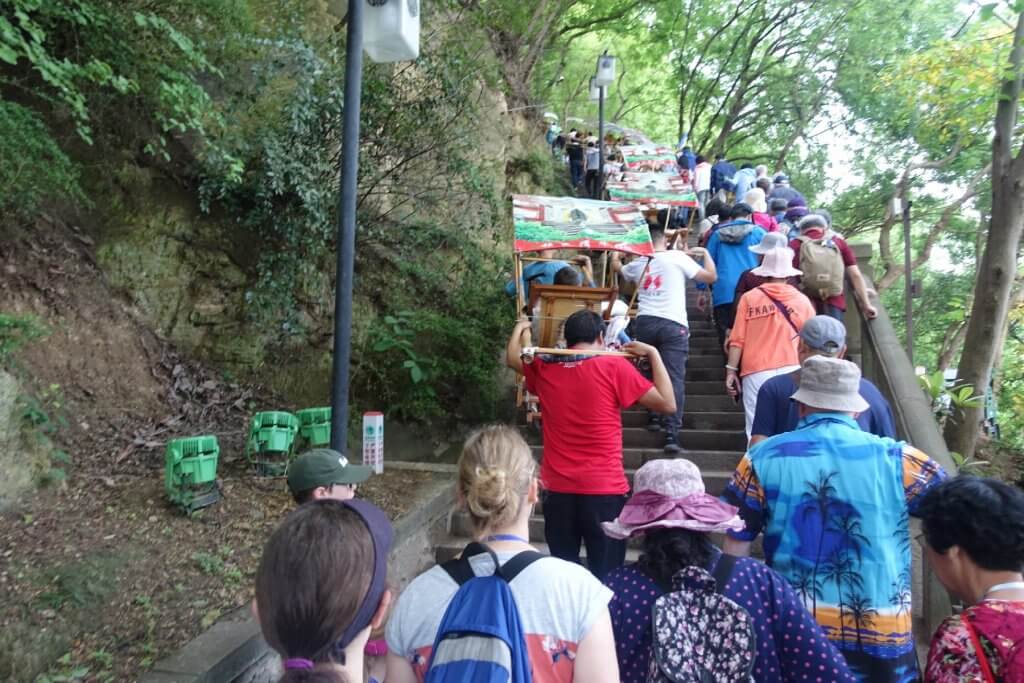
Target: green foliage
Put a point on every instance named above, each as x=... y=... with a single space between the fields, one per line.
x=33 y=167
x=98 y=64
x=397 y=334
x=17 y=330
x=946 y=400
x=82 y=583
x=452 y=315
x=545 y=174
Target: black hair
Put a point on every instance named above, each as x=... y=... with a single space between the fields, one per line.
x=719 y=156
x=747 y=165
x=666 y=551
x=740 y=209
x=567 y=276
x=583 y=327
x=983 y=516
x=657 y=230
x=724 y=213
x=663 y=217
x=700 y=159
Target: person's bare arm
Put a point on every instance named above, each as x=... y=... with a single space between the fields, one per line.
x=731 y=547
x=587 y=267
x=514 y=350
x=861 y=291
x=661 y=398
x=399 y=670
x=596 y=660
x=732 y=377
x=708 y=273
x=756 y=439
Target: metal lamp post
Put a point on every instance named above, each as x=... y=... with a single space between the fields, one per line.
x=392 y=31
x=604 y=77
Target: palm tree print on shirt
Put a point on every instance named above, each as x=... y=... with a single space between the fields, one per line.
x=841 y=541
x=806 y=585
x=821 y=495
x=843 y=571
x=862 y=614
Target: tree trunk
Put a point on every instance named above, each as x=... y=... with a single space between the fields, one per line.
x=951 y=345
x=998 y=266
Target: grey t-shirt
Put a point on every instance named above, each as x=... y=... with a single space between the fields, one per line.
x=558 y=603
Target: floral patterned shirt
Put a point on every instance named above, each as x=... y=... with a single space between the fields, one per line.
x=952 y=657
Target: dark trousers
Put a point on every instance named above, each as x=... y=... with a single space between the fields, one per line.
x=725 y=316
x=575 y=173
x=592 y=184
x=673 y=343
x=572 y=517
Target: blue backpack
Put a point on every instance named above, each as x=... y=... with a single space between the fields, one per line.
x=480 y=638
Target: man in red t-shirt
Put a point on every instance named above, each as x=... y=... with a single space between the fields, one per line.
x=581 y=399
x=815 y=227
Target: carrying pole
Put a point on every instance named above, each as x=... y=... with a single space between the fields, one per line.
x=600 y=143
x=347 y=228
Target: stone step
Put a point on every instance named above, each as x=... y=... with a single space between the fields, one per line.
x=705 y=460
x=705 y=360
x=707 y=374
x=701 y=387
x=692 y=419
x=707 y=403
x=691 y=439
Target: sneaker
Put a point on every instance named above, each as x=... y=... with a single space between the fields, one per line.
x=672 y=445
x=654 y=424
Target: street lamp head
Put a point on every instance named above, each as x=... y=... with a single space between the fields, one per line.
x=391 y=30
x=605 y=70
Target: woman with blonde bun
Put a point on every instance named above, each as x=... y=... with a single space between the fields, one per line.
x=562 y=607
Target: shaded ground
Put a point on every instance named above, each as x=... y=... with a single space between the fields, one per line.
x=108 y=574
x=99 y=577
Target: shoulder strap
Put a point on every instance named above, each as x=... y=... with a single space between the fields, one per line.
x=986 y=668
x=460 y=569
x=723 y=570
x=782 y=309
x=517 y=564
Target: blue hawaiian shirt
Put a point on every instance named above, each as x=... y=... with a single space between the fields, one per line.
x=833 y=503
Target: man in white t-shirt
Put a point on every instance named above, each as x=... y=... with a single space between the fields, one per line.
x=661 y=319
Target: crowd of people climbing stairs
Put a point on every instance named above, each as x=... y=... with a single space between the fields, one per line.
x=824 y=493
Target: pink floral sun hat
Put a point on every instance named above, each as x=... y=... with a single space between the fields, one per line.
x=670 y=494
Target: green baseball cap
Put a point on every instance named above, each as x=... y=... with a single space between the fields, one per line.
x=323 y=467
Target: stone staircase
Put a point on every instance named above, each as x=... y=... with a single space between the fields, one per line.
x=712 y=436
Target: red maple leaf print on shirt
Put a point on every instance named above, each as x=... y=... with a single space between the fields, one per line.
x=652 y=282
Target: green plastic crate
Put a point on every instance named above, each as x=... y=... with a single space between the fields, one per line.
x=315 y=426
x=190 y=472
x=272 y=432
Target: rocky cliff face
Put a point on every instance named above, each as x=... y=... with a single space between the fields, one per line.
x=189 y=275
